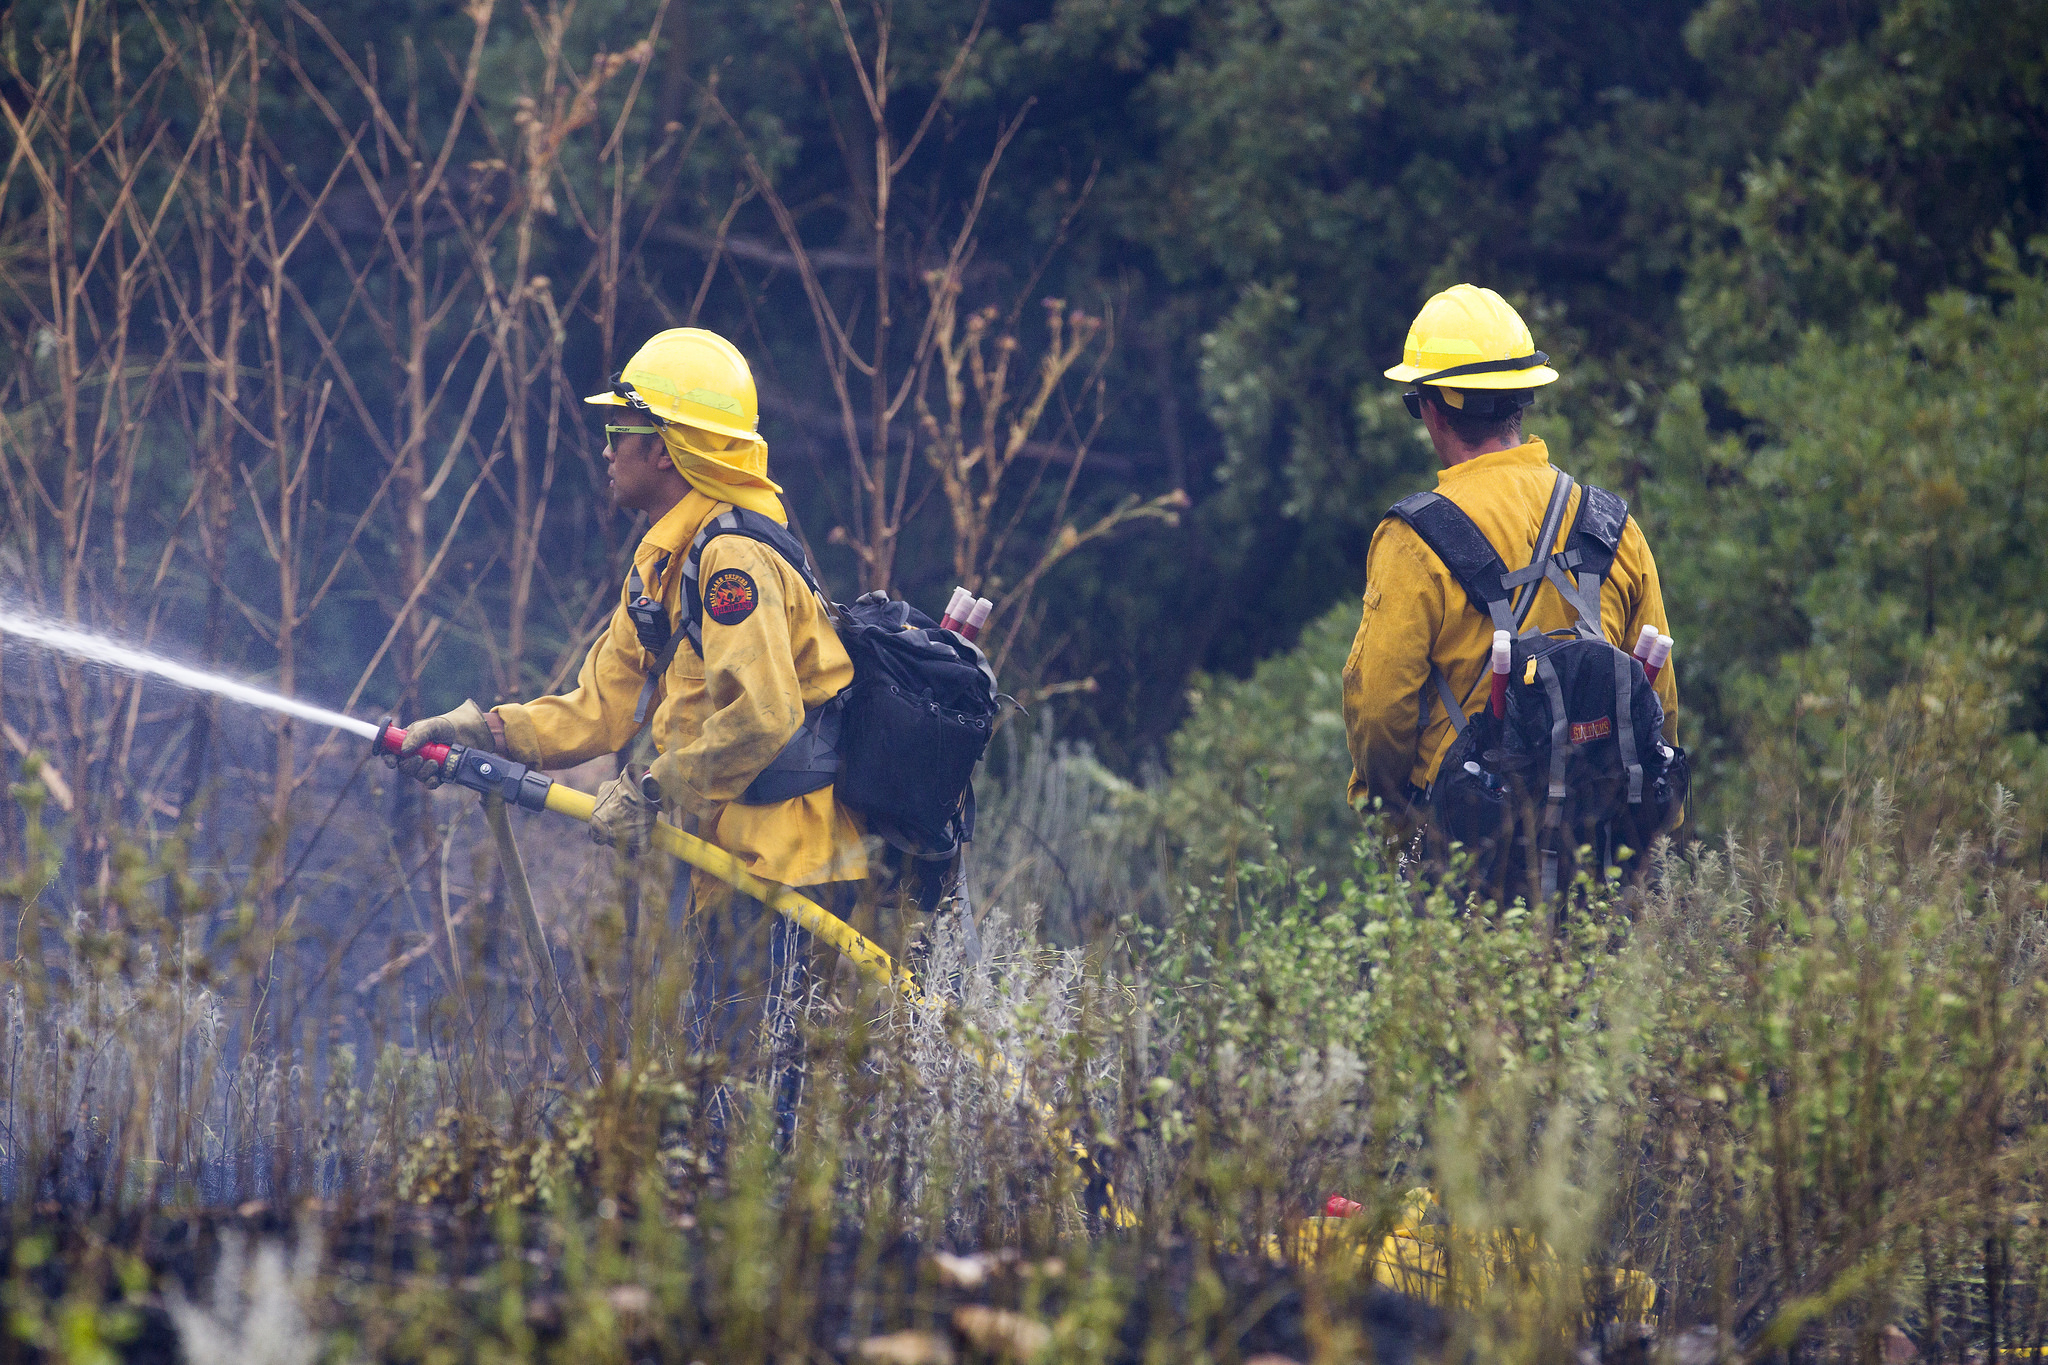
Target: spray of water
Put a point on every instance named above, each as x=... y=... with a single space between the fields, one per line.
x=99 y=649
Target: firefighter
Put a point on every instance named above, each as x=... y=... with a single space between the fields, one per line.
x=1473 y=369
x=683 y=447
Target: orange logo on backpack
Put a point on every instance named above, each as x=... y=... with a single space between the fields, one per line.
x=1584 y=730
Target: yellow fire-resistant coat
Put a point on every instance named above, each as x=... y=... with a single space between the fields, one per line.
x=1416 y=614
x=721 y=718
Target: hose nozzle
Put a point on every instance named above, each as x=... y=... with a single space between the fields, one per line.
x=488 y=773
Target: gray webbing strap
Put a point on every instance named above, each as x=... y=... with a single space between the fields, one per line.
x=636 y=587
x=693 y=629
x=1583 y=596
x=653 y=680
x=1451 y=703
x=1527 y=580
x=1560 y=741
x=1560 y=736
x=1625 y=725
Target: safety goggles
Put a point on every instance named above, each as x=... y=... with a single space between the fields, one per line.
x=610 y=431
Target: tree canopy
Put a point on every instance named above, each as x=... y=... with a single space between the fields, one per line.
x=1787 y=258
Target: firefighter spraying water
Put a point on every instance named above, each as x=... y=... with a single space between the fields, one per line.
x=79 y=644
x=503 y=782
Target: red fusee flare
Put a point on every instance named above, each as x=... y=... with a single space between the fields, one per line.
x=1645 y=642
x=957 y=607
x=978 y=617
x=1659 y=653
x=1503 y=660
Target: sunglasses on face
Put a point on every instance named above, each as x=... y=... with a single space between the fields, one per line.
x=610 y=431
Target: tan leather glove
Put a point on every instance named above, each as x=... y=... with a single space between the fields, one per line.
x=465 y=725
x=626 y=808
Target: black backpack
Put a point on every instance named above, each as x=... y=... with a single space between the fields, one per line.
x=899 y=744
x=1578 y=758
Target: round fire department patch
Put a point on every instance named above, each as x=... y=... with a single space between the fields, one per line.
x=730 y=598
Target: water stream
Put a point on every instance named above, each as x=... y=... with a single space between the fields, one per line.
x=18 y=625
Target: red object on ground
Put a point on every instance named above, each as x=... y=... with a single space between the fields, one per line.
x=393 y=739
x=1337 y=1206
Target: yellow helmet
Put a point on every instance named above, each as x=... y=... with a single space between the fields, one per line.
x=693 y=378
x=1474 y=337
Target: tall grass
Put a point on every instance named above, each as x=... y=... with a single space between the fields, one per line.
x=1800 y=1090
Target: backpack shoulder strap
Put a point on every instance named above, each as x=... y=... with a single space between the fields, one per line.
x=810 y=760
x=1457 y=540
x=1588 y=557
x=1528 y=580
x=734 y=521
x=737 y=521
x=656 y=631
x=1596 y=530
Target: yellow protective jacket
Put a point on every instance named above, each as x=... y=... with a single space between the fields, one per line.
x=1416 y=614
x=718 y=719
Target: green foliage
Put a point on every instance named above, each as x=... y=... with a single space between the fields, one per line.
x=1798 y=1077
x=1876 y=519
x=1260 y=765
x=1327 y=1024
x=1794 y=1093
x=1899 y=141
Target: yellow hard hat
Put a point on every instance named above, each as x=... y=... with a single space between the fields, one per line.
x=693 y=378
x=1474 y=338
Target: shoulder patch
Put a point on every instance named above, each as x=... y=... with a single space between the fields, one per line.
x=730 y=597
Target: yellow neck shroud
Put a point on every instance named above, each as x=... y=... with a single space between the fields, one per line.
x=726 y=469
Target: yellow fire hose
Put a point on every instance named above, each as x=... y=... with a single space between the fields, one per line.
x=503 y=782
x=867 y=957
x=1413 y=1258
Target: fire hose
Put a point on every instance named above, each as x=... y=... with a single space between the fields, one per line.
x=503 y=782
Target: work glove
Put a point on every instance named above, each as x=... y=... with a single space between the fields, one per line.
x=626 y=808
x=465 y=725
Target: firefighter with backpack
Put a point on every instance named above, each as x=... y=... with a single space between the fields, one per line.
x=1491 y=698
x=723 y=645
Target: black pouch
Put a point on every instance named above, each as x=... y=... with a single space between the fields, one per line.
x=905 y=761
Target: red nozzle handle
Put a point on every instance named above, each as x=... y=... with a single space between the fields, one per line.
x=390 y=739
